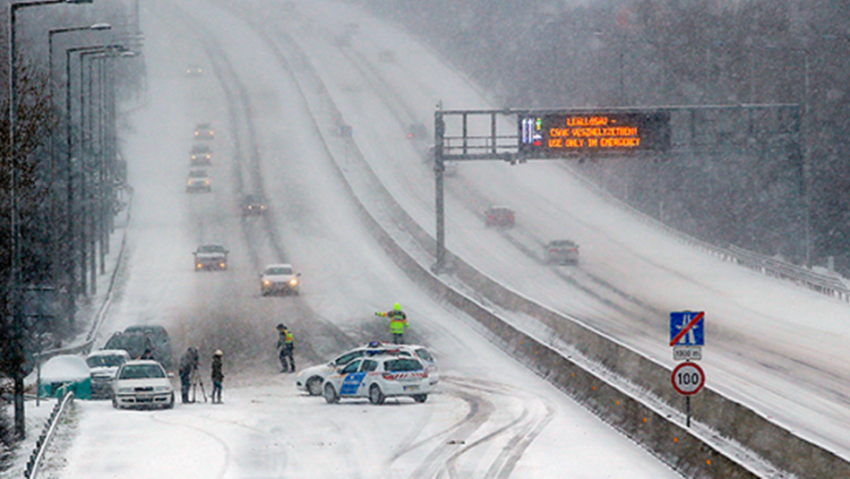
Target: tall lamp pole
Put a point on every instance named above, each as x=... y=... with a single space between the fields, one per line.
x=77 y=241
x=13 y=163
x=61 y=249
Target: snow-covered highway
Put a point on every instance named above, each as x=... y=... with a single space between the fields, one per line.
x=490 y=416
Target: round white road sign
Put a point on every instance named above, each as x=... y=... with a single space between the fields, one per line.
x=688 y=378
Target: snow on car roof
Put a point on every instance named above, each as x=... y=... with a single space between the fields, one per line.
x=68 y=367
x=109 y=352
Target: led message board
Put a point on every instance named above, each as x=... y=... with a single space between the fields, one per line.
x=548 y=134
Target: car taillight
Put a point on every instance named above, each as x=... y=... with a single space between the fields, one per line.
x=388 y=376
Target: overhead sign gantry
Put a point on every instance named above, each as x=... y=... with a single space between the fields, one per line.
x=540 y=134
x=518 y=136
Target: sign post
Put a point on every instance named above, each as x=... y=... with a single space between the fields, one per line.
x=688 y=379
x=687 y=337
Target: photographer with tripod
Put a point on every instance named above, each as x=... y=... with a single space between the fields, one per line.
x=189 y=377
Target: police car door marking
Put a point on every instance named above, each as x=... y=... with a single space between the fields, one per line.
x=351 y=383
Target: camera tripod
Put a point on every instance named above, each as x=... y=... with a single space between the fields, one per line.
x=195 y=382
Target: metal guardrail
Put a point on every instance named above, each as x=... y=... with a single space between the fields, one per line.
x=821 y=283
x=38 y=453
x=47 y=434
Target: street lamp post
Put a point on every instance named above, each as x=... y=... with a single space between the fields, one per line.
x=62 y=250
x=14 y=293
x=76 y=233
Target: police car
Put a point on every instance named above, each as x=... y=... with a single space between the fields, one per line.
x=310 y=379
x=378 y=378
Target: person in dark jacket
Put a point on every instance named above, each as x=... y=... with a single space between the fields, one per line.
x=188 y=366
x=217 y=377
x=285 y=347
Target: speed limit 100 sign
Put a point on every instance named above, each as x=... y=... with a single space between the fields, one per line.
x=688 y=378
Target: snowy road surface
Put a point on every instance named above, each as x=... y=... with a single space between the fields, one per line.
x=490 y=416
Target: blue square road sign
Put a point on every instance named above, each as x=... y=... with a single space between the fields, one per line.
x=687 y=328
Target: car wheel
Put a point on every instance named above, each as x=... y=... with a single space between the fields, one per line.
x=314 y=386
x=114 y=402
x=330 y=394
x=420 y=397
x=375 y=395
x=170 y=404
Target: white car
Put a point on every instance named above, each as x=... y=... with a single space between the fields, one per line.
x=378 y=378
x=280 y=278
x=311 y=379
x=104 y=365
x=142 y=383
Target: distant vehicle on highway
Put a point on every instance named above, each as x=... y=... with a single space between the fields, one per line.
x=417 y=131
x=142 y=384
x=499 y=216
x=104 y=365
x=194 y=70
x=378 y=378
x=200 y=155
x=204 y=131
x=198 y=182
x=560 y=252
x=253 y=205
x=210 y=257
x=280 y=278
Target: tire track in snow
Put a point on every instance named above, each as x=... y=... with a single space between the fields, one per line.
x=227 y=453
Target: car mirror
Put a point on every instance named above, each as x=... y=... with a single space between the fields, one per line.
x=171 y=375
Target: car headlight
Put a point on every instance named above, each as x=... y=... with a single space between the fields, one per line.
x=206 y=182
x=267 y=282
x=293 y=282
x=161 y=389
x=125 y=390
x=222 y=265
x=199 y=265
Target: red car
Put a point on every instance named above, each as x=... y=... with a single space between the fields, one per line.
x=499 y=216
